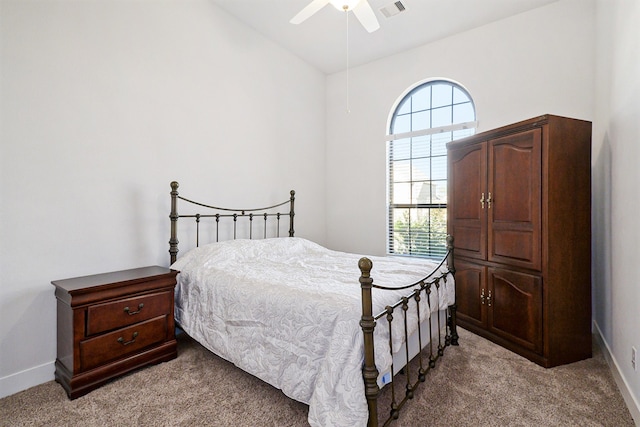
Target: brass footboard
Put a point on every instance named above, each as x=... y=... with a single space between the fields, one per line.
x=368 y=323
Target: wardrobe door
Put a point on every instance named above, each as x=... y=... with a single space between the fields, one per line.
x=515 y=307
x=471 y=292
x=466 y=205
x=514 y=199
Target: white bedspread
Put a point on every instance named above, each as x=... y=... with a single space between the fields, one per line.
x=287 y=311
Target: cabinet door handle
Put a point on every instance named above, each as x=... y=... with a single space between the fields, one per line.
x=489 y=201
x=482 y=200
x=482 y=297
x=133 y=339
x=489 y=299
x=131 y=313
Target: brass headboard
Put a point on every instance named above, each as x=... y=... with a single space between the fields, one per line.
x=263 y=214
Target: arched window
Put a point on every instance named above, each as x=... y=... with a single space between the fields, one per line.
x=428 y=117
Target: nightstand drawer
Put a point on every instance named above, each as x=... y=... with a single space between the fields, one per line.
x=104 y=348
x=116 y=314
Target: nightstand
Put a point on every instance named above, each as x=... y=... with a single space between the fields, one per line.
x=112 y=323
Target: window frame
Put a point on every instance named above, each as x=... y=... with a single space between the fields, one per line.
x=463 y=129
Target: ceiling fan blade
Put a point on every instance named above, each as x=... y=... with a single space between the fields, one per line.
x=365 y=15
x=309 y=10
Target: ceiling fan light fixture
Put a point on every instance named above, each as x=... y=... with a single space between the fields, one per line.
x=344 y=4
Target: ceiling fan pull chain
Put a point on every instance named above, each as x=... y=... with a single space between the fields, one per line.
x=346 y=14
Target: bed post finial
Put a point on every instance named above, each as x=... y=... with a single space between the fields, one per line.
x=365 y=265
x=173 y=216
x=292 y=213
x=368 y=324
x=450 y=266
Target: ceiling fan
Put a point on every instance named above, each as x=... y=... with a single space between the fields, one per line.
x=360 y=8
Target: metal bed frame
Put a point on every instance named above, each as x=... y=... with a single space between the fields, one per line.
x=416 y=291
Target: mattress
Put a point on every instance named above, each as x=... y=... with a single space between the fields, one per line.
x=287 y=310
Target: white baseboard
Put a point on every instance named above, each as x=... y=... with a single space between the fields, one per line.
x=23 y=380
x=627 y=395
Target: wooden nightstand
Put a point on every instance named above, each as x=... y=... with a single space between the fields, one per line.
x=113 y=323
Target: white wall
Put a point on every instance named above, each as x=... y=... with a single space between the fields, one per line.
x=534 y=63
x=616 y=150
x=103 y=104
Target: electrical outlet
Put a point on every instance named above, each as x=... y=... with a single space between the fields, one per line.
x=633 y=358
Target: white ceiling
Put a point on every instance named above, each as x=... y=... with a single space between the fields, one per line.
x=321 y=40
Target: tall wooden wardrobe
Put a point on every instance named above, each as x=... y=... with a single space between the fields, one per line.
x=519 y=211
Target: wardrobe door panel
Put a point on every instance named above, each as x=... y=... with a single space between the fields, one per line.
x=471 y=291
x=515 y=193
x=466 y=212
x=515 y=312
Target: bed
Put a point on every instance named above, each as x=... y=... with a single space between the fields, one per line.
x=309 y=320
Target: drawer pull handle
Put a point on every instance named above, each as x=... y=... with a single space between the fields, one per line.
x=131 y=313
x=133 y=339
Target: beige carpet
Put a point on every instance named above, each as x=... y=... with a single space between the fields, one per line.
x=475 y=384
